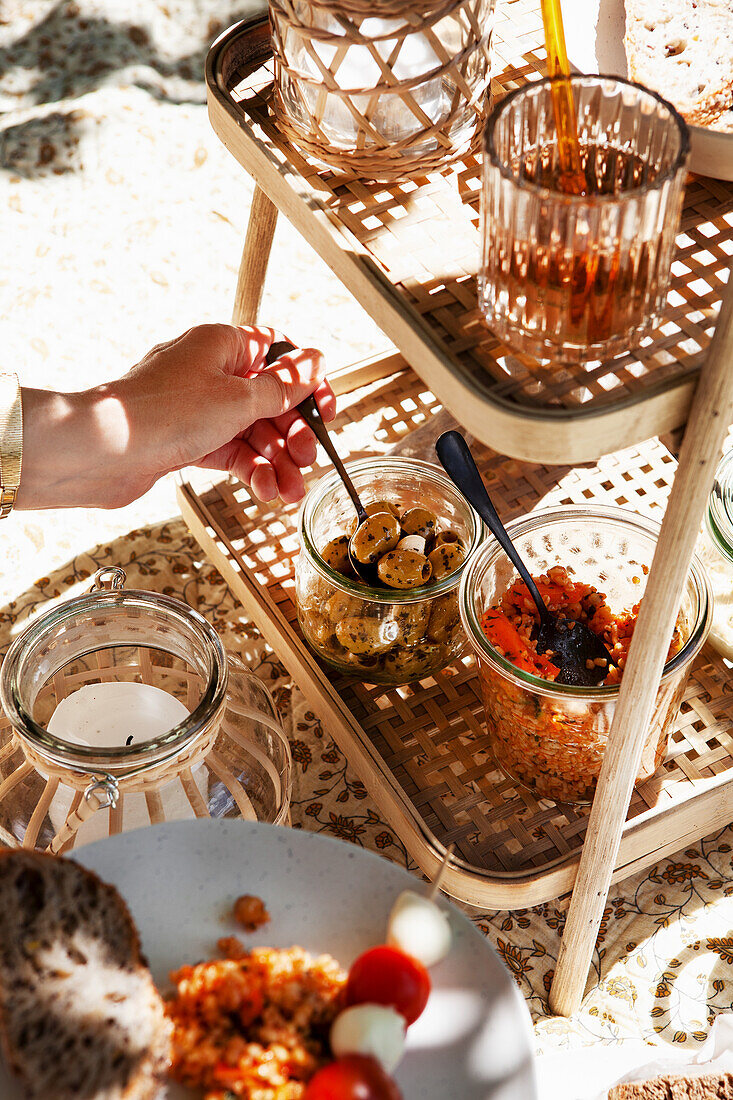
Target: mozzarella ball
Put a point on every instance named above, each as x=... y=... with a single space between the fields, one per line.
x=419 y=928
x=375 y=1030
x=412 y=542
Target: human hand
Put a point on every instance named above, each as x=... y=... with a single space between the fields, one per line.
x=207 y=399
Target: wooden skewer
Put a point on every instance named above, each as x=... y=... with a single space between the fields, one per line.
x=440 y=873
x=712 y=412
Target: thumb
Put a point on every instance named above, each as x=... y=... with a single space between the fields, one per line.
x=278 y=388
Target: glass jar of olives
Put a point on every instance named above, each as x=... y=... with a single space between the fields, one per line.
x=406 y=625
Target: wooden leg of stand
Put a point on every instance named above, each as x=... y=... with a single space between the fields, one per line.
x=256 y=253
x=712 y=411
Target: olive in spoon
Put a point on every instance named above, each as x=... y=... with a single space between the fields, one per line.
x=374 y=534
x=574 y=646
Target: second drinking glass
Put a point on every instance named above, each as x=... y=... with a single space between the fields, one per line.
x=572 y=277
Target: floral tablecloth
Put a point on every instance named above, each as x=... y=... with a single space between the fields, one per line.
x=123 y=222
x=663 y=966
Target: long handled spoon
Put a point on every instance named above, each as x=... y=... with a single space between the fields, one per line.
x=310 y=412
x=580 y=654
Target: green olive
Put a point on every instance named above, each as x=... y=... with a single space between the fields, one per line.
x=449 y=537
x=417 y=662
x=336 y=554
x=318 y=630
x=419 y=521
x=371 y=509
x=375 y=536
x=360 y=635
x=340 y=606
x=364 y=661
x=312 y=589
x=444 y=618
x=404 y=569
x=412 y=621
x=382 y=506
x=446 y=559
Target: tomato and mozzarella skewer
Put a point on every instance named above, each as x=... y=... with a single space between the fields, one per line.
x=386 y=991
x=371 y=1029
x=418 y=927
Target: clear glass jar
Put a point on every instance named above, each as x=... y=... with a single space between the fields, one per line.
x=227 y=758
x=414 y=633
x=715 y=547
x=551 y=737
x=571 y=277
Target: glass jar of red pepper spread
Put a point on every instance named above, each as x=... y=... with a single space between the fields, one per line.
x=591 y=561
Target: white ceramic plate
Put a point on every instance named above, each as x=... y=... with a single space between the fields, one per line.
x=594 y=33
x=474 y=1040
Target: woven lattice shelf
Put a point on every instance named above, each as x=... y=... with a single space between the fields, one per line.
x=422 y=750
x=409 y=254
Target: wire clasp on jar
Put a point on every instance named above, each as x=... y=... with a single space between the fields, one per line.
x=111 y=578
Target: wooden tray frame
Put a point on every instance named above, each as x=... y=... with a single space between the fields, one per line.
x=690 y=797
x=366 y=232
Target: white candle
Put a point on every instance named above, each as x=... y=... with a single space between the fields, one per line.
x=113 y=715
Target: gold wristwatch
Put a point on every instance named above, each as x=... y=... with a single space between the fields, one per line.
x=11 y=441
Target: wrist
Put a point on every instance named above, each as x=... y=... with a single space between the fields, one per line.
x=74 y=447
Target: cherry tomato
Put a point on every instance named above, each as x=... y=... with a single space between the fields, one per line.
x=354 y=1077
x=387 y=976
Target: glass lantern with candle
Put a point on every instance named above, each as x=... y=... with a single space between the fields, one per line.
x=124 y=710
x=382 y=89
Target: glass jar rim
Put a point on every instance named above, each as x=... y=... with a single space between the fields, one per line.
x=157 y=749
x=581 y=79
x=363 y=591
x=719 y=512
x=621 y=516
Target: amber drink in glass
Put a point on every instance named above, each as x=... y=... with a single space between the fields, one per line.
x=573 y=277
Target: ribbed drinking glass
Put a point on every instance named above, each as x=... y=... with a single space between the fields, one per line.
x=572 y=278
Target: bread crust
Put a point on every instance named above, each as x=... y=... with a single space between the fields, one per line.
x=676 y=1087
x=683 y=49
x=125 y=954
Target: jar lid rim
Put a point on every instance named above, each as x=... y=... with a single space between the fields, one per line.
x=719 y=514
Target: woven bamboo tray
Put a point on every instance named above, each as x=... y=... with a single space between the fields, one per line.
x=408 y=252
x=422 y=750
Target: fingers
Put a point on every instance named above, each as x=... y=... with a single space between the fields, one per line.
x=300 y=440
x=239 y=459
x=280 y=387
x=266 y=440
x=263 y=462
x=326 y=400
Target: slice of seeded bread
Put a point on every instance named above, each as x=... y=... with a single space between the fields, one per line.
x=80 y=1018
x=683 y=49
x=711 y=1087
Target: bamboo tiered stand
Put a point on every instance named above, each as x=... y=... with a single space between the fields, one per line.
x=409 y=254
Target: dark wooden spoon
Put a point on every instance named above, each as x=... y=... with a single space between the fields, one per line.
x=310 y=412
x=574 y=646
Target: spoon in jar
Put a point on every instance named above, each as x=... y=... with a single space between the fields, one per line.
x=580 y=655
x=360 y=541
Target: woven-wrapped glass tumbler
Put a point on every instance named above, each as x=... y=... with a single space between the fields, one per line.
x=385 y=89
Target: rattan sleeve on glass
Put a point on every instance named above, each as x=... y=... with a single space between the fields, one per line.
x=387 y=97
x=11 y=441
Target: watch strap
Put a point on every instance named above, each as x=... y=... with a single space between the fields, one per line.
x=11 y=441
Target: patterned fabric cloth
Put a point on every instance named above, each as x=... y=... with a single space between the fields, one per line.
x=663 y=966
